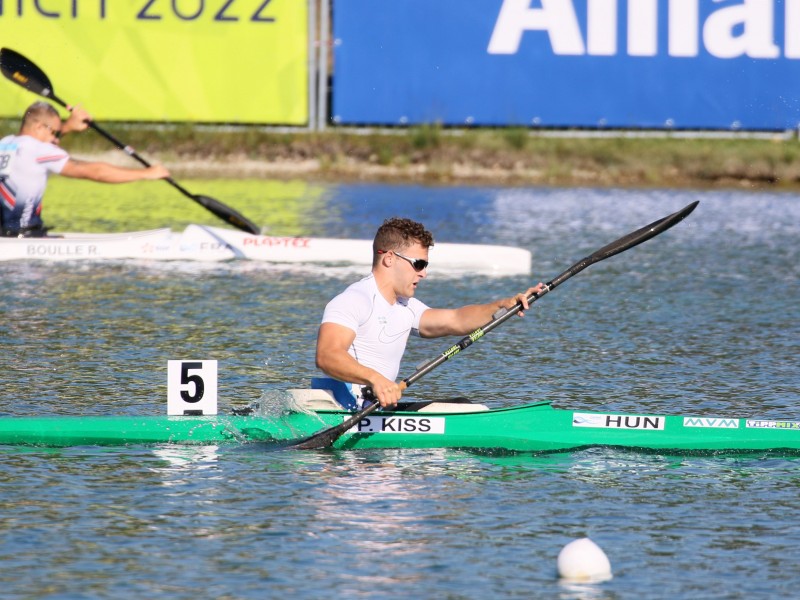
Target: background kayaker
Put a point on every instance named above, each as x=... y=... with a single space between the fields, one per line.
x=27 y=159
x=364 y=329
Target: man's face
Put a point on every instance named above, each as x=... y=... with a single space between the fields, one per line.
x=405 y=265
x=47 y=129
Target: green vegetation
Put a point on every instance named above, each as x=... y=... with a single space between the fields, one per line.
x=434 y=154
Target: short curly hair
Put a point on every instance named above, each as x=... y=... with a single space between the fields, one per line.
x=398 y=234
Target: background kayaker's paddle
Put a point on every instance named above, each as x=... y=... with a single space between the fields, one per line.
x=23 y=72
x=327 y=437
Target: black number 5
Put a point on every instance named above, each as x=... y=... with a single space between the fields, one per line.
x=186 y=379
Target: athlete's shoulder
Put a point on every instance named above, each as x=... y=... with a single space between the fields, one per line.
x=43 y=151
x=363 y=287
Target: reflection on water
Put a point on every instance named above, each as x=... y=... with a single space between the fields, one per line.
x=373 y=512
x=181 y=460
x=703 y=319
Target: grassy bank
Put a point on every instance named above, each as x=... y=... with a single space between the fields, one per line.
x=434 y=155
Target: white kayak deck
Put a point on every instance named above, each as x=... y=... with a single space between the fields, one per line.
x=213 y=244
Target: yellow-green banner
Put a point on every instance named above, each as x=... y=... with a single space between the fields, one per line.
x=218 y=61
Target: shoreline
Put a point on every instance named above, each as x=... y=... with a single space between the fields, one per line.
x=457 y=173
x=433 y=157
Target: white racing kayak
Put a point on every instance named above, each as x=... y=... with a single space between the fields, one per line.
x=211 y=244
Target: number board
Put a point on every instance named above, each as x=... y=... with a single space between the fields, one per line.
x=191 y=387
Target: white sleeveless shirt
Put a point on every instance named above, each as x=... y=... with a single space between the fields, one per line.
x=25 y=163
x=381 y=329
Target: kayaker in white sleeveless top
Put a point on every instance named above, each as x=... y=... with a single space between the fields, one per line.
x=364 y=329
x=27 y=159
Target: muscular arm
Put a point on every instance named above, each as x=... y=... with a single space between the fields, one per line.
x=107 y=173
x=438 y=322
x=333 y=341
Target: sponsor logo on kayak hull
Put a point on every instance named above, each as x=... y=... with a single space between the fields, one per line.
x=769 y=424
x=711 y=422
x=606 y=421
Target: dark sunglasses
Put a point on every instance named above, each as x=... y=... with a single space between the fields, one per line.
x=418 y=264
x=54 y=132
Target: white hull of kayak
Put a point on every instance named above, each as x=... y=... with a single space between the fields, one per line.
x=212 y=244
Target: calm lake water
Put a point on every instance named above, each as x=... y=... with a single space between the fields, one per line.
x=703 y=319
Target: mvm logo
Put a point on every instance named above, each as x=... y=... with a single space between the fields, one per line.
x=713 y=423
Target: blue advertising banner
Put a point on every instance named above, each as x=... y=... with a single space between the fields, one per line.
x=674 y=64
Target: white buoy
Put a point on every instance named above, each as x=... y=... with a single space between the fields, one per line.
x=583 y=560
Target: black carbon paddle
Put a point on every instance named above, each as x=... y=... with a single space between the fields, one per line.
x=327 y=437
x=23 y=72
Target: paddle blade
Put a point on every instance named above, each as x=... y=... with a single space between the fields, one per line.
x=23 y=72
x=626 y=242
x=326 y=437
x=226 y=213
x=645 y=233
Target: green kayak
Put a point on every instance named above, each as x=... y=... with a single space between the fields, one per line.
x=528 y=428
